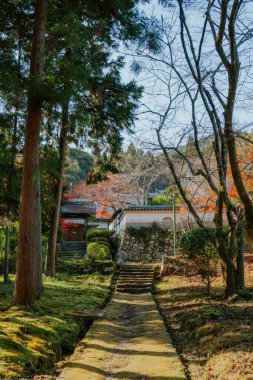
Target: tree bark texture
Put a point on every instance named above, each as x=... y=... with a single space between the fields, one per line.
x=38 y=281
x=226 y=262
x=240 y=254
x=233 y=71
x=6 y=254
x=29 y=217
x=54 y=221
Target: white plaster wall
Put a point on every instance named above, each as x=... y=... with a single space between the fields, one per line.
x=146 y=218
x=102 y=225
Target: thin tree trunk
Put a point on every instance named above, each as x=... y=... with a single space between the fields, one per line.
x=38 y=281
x=237 y=177
x=6 y=254
x=54 y=221
x=29 y=217
x=226 y=262
x=208 y=279
x=239 y=255
x=233 y=70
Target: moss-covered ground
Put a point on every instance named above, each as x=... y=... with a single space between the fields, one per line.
x=214 y=336
x=31 y=341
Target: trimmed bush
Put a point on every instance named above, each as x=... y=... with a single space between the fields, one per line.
x=97 y=232
x=97 y=252
x=106 y=237
x=101 y=240
x=192 y=242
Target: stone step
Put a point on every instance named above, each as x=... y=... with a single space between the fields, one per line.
x=133 y=286
x=136 y=272
x=135 y=278
x=123 y=282
x=137 y=275
x=70 y=251
x=134 y=290
x=66 y=247
x=71 y=246
x=126 y=279
x=136 y=267
x=78 y=256
x=70 y=242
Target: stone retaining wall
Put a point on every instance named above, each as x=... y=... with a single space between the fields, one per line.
x=146 y=244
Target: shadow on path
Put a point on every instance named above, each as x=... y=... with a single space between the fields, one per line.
x=131 y=342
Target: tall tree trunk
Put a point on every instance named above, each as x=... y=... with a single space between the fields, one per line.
x=29 y=217
x=38 y=282
x=233 y=70
x=6 y=254
x=237 y=177
x=54 y=220
x=226 y=262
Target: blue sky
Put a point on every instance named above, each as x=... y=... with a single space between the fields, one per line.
x=143 y=127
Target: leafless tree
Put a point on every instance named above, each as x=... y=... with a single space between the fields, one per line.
x=139 y=172
x=202 y=82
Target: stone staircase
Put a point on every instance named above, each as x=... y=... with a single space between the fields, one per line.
x=135 y=278
x=72 y=249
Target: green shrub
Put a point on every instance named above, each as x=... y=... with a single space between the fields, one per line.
x=101 y=240
x=192 y=242
x=198 y=245
x=160 y=200
x=97 y=232
x=103 y=236
x=97 y=251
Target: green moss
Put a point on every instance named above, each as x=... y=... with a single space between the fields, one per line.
x=79 y=266
x=31 y=341
x=197 y=318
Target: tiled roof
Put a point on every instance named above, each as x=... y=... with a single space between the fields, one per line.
x=149 y=208
x=78 y=207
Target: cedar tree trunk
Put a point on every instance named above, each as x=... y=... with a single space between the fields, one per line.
x=29 y=217
x=37 y=278
x=54 y=221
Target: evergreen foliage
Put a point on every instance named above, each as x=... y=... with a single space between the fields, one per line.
x=199 y=246
x=97 y=252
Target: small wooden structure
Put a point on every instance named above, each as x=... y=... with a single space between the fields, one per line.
x=74 y=215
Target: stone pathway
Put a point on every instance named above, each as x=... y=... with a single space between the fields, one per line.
x=130 y=342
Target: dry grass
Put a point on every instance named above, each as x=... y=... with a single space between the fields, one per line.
x=214 y=336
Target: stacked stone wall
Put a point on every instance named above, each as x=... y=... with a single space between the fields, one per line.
x=146 y=244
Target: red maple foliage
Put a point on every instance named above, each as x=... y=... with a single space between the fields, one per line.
x=245 y=159
x=108 y=195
